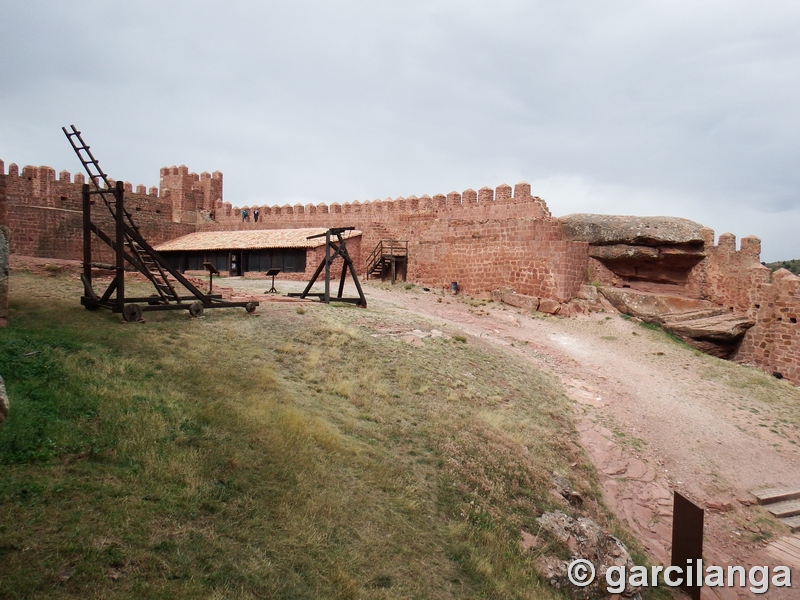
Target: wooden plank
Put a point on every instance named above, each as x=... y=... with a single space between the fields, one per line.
x=775 y=494
x=783 y=557
x=791 y=540
x=793 y=523
x=780 y=510
x=786 y=549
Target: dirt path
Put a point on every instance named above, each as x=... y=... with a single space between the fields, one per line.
x=655 y=417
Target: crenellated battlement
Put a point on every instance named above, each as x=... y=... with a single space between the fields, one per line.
x=731 y=276
x=525 y=205
x=42 y=176
x=193 y=196
x=43 y=211
x=774 y=342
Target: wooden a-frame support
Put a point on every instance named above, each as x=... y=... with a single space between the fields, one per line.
x=339 y=248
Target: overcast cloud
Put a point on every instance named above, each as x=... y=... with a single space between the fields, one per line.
x=687 y=109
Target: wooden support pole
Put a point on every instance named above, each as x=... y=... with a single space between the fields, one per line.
x=119 y=192
x=327 y=267
x=87 y=234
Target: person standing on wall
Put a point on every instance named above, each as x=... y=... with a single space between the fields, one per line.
x=244 y=215
x=255 y=215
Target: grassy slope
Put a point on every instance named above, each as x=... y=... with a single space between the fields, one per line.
x=280 y=455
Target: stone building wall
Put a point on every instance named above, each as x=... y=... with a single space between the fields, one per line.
x=482 y=240
x=731 y=277
x=314 y=257
x=4 y=249
x=773 y=343
x=44 y=214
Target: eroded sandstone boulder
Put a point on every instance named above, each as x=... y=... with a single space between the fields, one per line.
x=660 y=250
x=655 y=308
x=604 y=230
x=704 y=325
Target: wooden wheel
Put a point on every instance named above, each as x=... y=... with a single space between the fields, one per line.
x=132 y=313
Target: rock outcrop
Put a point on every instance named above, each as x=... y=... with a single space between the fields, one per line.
x=584 y=539
x=604 y=230
x=700 y=323
x=660 y=250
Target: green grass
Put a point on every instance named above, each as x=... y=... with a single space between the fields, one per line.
x=287 y=454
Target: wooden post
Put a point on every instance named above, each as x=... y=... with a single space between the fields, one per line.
x=327 y=267
x=687 y=543
x=87 y=234
x=119 y=214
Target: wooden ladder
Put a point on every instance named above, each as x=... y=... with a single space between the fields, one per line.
x=144 y=260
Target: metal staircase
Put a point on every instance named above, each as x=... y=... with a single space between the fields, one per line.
x=129 y=245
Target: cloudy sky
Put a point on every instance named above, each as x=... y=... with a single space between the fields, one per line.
x=682 y=108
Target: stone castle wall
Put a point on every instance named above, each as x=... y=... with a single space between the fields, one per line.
x=732 y=277
x=482 y=240
x=737 y=279
x=44 y=214
x=773 y=343
x=193 y=197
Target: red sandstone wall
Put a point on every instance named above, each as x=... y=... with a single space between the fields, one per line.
x=774 y=342
x=728 y=276
x=193 y=197
x=3 y=208
x=3 y=249
x=45 y=214
x=483 y=240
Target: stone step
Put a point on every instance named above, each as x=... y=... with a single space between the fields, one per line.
x=771 y=495
x=788 y=508
x=786 y=550
x=792 y=522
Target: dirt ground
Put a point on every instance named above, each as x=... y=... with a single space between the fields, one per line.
x=654 y=415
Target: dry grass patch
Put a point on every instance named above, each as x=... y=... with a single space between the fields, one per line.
x=294 y=455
